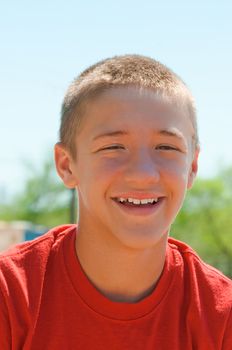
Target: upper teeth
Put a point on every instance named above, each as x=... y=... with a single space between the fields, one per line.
x=138 y=201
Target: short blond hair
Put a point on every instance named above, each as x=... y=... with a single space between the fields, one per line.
x=127 y=70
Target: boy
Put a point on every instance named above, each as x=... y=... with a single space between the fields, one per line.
x=129 y=145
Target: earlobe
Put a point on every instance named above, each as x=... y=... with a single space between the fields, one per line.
x=193 y=169
x=63 y=163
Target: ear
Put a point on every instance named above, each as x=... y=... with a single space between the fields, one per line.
x=63 y=161
x=193 y=168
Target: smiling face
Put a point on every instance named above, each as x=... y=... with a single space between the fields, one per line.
x=135 y=160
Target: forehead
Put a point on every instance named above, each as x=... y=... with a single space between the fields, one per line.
x=133 y=108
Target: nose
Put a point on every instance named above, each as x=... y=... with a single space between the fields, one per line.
x=142 y=169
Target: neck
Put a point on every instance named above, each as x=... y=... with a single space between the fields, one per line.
x=121 y=274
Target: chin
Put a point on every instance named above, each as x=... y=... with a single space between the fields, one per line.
x=142 y=240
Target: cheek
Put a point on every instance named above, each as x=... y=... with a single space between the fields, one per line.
x=107 y=168
x=95 y=168
x=97 y=175
x=177 y=167
x=175 y=174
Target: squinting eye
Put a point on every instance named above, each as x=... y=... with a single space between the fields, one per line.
x=113 y=147
x=167 y=148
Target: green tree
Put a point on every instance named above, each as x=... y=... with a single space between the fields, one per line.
x=43 y=199
x=205 y=220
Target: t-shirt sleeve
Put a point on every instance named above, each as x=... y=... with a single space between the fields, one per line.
x=227 y=341
x=5 y=332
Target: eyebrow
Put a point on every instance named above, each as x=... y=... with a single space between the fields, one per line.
x=173 y=132
x=112 y=133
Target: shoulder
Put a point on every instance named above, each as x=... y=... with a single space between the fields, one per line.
x=207 y=282
x=23 y=270
x=31 y=256
x=207 y=295
x=47 y=240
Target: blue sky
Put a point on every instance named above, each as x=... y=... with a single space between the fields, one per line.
x=45 y=44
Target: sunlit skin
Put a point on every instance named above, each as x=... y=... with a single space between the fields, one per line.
x=130 y=144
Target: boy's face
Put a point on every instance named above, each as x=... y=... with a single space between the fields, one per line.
x=131 y=146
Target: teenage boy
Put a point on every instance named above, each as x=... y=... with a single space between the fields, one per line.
x=129 y=145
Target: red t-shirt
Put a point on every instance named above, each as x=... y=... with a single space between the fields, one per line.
x=47 y=302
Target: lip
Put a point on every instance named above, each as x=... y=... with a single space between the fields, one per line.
x=141 y=211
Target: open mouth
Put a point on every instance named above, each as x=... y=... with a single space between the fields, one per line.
x=137 y=206
x=134 y=202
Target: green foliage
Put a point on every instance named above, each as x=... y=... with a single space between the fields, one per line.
x=43 y=200
x=205 y=220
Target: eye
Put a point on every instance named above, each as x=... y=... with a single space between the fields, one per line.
x=167 y=148
x=112 y=147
